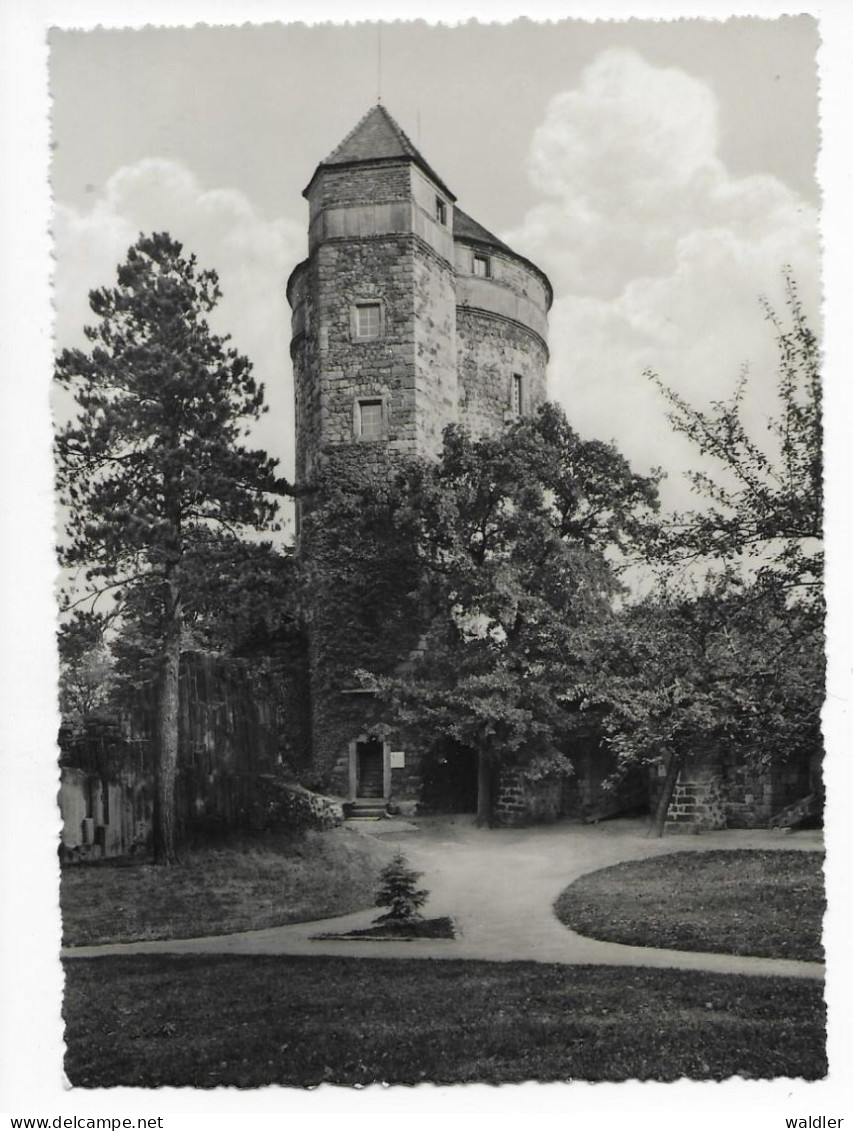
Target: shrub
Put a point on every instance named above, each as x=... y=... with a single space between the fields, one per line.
x=285 y=805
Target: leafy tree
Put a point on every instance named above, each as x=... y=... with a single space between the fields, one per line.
x=734 y=670
x=740 y=666
x=86 y=668
x=153 y=471
x=764 y=501
x=515 y=534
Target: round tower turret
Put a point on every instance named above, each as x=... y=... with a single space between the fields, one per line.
x=502 y=303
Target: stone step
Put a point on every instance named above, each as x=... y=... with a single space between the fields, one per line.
x=792 y=815
x=365 y=808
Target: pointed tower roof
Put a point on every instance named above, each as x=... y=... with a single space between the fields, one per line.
x=377 y=137
x=466 y=228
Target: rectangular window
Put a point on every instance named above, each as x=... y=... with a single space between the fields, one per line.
x=368 y=321
x=370 y=420
x=517 y=394
x=483 y=266
x=440 y=210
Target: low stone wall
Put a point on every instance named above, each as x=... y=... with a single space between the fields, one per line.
x=715 y=791
x=519 y=801
x=754 y=794
x=697 y=803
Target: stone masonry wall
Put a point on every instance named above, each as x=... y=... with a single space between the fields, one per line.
x=522 y=802
x=490 y=351
x=372 y=270
x=361 y=184
x=437 y=385
x=410 y=367
x=754 y=794
x=730 y=794
x=303 y=353
x=697 y=803
x=506 y=272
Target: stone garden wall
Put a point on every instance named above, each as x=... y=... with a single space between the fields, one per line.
x=697 y=803
x=519 y=801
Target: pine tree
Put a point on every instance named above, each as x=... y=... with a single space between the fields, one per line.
x=153 y=468
x=397 y=892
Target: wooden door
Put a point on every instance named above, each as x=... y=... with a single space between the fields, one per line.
x=370 y=768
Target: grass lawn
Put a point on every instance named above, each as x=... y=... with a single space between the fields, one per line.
x=259 y=882
x=767 y=903
x=153 y=1020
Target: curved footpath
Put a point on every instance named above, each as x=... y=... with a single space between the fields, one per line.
x=499 y=885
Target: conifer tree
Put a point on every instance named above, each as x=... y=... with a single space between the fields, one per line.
x=398 y=892
x=153 y=467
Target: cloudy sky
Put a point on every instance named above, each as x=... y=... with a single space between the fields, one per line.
x=662 y=174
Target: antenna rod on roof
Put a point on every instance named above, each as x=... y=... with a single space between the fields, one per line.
x=378 y=63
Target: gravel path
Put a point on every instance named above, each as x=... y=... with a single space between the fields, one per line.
x=499 y=886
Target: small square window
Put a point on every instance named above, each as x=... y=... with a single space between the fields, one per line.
x=517 y=394
x=483 y=266
x=369 y=420
x=440 y=210
x=368 y=320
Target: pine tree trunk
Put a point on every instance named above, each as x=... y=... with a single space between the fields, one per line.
x=484 y=790
x=166 y=763
x=673 y=768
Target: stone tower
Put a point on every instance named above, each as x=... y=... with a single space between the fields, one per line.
x=407 y=315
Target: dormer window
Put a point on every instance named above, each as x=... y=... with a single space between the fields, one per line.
x=482 y=266
x=516 y=402
x=367 y=321
x=440 y=211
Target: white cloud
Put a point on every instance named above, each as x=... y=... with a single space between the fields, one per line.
x=658 y=254
x=251 y=255
x=660 y=124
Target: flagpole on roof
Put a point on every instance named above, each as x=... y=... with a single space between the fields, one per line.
x=378 y=64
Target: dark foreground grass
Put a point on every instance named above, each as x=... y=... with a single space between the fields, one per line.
x=765 y=903
x=146 y=1021
x=246 y=885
